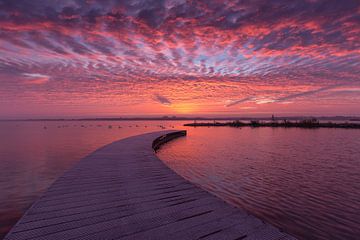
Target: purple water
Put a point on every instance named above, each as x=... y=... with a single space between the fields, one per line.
x=305 y=181
x=34 y=154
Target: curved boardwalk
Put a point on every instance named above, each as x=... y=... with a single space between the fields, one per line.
x=123 y=191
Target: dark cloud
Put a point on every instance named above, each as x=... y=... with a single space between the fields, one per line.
x=282 y=99
x=307 y=93
x=236 y=102
x=161 y=99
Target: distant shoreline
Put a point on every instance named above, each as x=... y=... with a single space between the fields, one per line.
x=165 y=118
x=306 y=123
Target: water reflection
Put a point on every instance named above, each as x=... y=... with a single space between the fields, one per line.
x=305 y=181
x=34 y=154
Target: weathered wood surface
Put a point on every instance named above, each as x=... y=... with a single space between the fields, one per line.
x=123 y=191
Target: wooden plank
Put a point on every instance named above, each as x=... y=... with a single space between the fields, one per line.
x=123 y=191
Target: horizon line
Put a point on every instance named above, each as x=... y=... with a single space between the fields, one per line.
x=143 y=118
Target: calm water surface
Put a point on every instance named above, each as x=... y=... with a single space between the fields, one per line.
x=34 y=154
x=305 y=181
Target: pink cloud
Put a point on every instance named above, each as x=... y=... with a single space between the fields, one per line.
x=36 y=78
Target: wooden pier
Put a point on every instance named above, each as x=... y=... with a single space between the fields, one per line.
x=123 y=191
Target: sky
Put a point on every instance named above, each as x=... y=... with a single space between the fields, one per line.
x=107 y=58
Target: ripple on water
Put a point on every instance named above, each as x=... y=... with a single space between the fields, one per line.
x=303 y=181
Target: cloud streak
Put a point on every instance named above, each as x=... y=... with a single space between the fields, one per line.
x=281 y=99
x=163 y=100
x=36 y=78
x=307 y=93
x=236 y=102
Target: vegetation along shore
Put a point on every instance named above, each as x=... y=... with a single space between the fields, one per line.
x=306 y=123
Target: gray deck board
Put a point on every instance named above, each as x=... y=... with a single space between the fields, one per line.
x=123 y=191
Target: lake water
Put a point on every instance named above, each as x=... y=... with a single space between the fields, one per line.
x=34 y=154
x=304 y=181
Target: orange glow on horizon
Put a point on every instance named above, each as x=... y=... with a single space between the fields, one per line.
x=184 y=108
